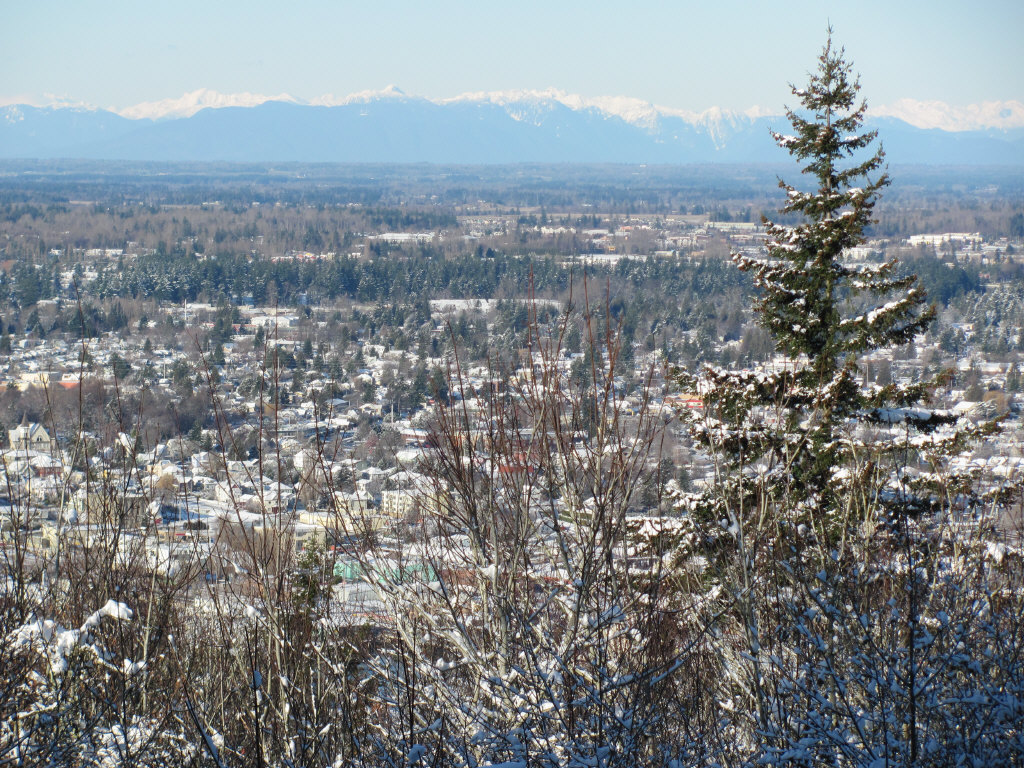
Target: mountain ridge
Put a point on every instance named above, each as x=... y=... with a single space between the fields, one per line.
x=483 y=127
x=1002 y=115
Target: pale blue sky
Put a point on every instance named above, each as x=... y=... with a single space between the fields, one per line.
x=687 y=55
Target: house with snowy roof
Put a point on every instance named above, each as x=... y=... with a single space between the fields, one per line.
x=30 y=436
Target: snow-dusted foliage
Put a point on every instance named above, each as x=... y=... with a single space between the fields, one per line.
x=864 y=619
x=67 y=697
x=532 y=627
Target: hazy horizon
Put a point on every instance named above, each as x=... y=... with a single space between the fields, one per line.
x=686 y=57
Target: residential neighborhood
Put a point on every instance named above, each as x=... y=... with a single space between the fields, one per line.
x=200 y=430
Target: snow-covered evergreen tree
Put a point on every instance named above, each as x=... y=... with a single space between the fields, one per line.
x=835 y=539
x=785 y=433
x=813 y=300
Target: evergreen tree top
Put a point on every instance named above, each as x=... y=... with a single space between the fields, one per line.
x=832 y=136
x=812 y=298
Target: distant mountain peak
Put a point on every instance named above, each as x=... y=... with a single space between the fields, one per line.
x=389 y=92
x=632 y=110
x=999 y=115
x=190 y=103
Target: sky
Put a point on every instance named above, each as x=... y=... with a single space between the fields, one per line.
x=682 y=54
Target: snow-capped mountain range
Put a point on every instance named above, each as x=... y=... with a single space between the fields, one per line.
x=1002 y=115
x=506 y=126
